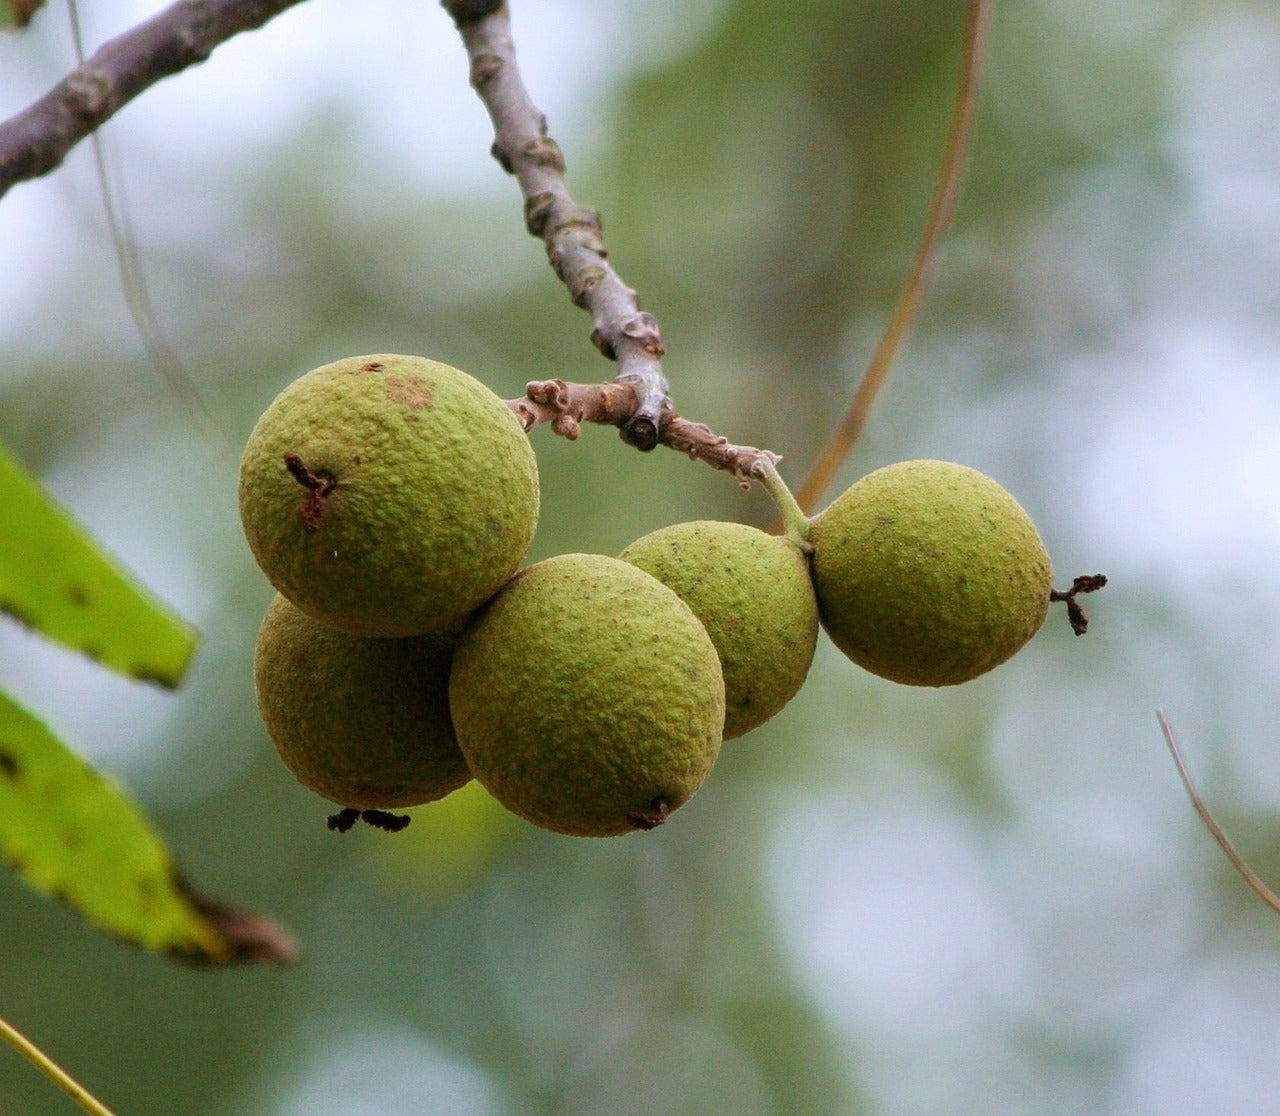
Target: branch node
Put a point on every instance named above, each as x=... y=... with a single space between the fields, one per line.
x=87 y=93
x=504 y=160
x=566 y=426
x=582 y=283
x=537 y=211
x=643 y=329
x=642 y=433
x=601 y=342
x=544 y=152
x=484 y=68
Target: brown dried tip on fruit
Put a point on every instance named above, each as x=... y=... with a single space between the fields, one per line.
x=929 y=573
x=363 y=722
x=587 y=697
x=1085 y=583
x=388 y=495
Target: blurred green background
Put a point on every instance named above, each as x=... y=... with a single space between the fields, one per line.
x=993 y=899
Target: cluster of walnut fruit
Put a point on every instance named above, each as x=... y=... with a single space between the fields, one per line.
x=391 y=499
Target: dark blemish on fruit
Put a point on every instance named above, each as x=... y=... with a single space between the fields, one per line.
x=318 y=486
x=413 y=391
x=659 y=811
x=372 y=366
x=78 y=595
x=9 y=767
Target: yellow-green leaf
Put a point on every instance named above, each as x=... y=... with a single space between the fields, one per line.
x=17 y=13
x=72 y=833
x=54 y=578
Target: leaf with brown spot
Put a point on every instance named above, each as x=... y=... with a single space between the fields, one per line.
x=55 y=578
x=73 y=834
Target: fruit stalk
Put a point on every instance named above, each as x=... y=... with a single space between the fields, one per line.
x=795 y=524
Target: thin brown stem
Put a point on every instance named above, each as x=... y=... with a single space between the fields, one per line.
x=941 y=210
x=1260 y=889
x=572 y=233
x=36 y=140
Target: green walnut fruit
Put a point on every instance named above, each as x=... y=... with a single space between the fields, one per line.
x=929 y=573
x=363 y=722
x=753 y=594
x=388 y=495
x=587 y=697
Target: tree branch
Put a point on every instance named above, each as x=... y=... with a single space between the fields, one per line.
x=36 y=140
x=572 y=232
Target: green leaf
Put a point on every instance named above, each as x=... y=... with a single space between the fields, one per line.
x=54 y=578
x=15 y=14
x=72 y=833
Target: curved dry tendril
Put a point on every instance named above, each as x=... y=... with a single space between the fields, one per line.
x=52 y=1070
x=1260 y=889
x=941 y=209
x=572 y=232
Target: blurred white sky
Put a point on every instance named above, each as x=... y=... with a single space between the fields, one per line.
x=406 y=88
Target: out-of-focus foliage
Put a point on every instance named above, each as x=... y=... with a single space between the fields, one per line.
x=54 y=579
x=73 y=835
x=988 y=899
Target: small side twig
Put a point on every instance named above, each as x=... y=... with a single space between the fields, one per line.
x=1250 y=877
x=566 y=406
x=36 y=140
x=573 y=233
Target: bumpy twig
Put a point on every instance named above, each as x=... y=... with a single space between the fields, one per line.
x=36 y=140
x=572 y=232
x=638 y=400
x=567 y=406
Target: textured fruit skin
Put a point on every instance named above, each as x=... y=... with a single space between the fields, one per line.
x=363 y=722
x=430 y=498
x=753 y=594
x=587 y=697
x=929 y=573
